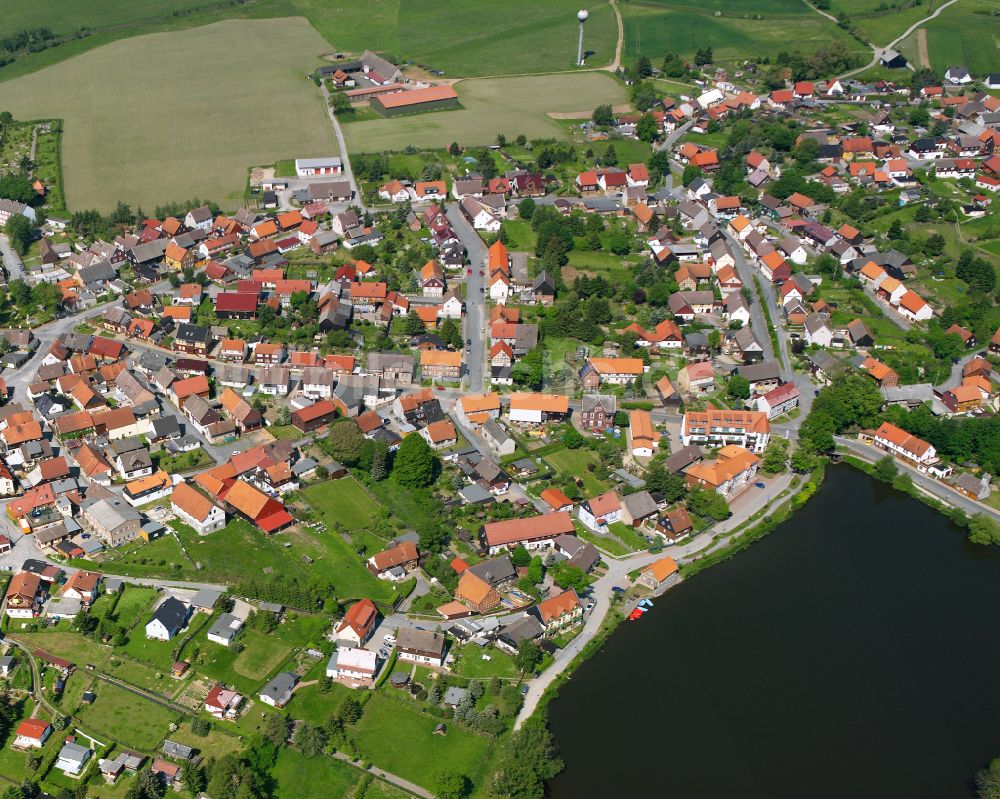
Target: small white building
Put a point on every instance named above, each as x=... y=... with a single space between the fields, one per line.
x=358 y=666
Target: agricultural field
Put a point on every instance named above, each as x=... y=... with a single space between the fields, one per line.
x=965 y=33
x=489 y=106
x=659 y=27
x=187 y=138
x=879 y=23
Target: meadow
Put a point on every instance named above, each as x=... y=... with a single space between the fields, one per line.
x=226 y=96
x=656 y=27
x=965 y=33
x=126 y=717
x=489 y=106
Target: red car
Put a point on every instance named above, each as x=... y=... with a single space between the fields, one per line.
x=468 y=271
x=480 y=272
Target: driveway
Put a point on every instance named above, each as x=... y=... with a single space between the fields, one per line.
x=475 y=302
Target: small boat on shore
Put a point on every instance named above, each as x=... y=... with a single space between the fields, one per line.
x=646 y=603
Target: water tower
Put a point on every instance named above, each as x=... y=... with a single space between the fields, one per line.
x=581 y=15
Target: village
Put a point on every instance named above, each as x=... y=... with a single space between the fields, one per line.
x=369 y=461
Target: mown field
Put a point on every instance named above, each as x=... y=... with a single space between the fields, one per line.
x=656 y=27
x=965 y=33
x=171 y=116
x=502 y=105
x=880 y=24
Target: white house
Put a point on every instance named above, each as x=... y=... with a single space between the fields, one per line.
x=597 y=513
x=31 y=734
x=499 y=288
x=9 y=208
x=225 y=628
x=958 y=76
x=279 y=690
x=310 y=167
x=817 y=330
x=195 y=509
x=168 y=619
x=72 y=758
x=354 y=664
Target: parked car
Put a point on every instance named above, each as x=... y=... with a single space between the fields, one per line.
x=759 y=484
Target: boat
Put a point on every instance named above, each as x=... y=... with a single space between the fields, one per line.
x=635 y=614
x=646 y=603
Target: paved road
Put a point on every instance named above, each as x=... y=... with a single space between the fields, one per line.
x=942 y=491
x=11 y=260
x=475 y=302
x=342 y=143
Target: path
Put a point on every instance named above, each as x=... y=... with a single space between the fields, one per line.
x=342 y=143
x=878 y=51
x=388 y=776
x=615 y=65
x=925 y=58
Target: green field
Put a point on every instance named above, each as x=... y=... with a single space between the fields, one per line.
x=240 y=549
x=343 y=501
x=401 y=739
x=128 y=718
x=657 y=27
x=573 y=463
x=502 y=105
x=965 y=33
x=123 y=140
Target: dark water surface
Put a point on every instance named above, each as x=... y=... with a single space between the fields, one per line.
x=855 y=652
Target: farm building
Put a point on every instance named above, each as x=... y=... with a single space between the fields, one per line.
x=430 y=99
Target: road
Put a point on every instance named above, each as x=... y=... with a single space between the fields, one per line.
x=11 y=260
x=942 y=491
x=342 y=143
x=955 y=378
x=475 y=301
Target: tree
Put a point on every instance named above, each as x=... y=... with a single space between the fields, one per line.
x=983 y=530
x=454 y=149
x=566 y=577
x=20 y=232
x=776 y=455
x=486 y=166
x=658 y=479
x=526 y=208
x=708 y=503
x=988 y=781
x=195 y=779
x=435 y=694
x=691 y=172
x=527 y=760
x=433 y=535
x=703 y=57
x=885 y=469
x=520 y=556
x=415 y=464
x=647 y=130
x=341 y=104
x=451 y=785
x=200 y=726
x=310 y=739
x=603 y=115
x=276 y=727
x=738 y=387
x=896 y=230
x=344 y=441
x=922 y=214
x=413 y=325
x=803 y=461
x=610 y=157
x=528 y=656
x=572 y=439
x=350 y=711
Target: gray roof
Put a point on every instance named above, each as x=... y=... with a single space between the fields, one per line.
x=526 y=628
x=495 y=432
x=280 y=685
x=174 y=749
x=112 y=513
x=74 y=752
x=640 y=504
x=683 y=458
x=495 y=570
x=427 y=641
x=226 y=626
x=765 y=370
x=475 y=494
x=206 y=598
x=593 y=400
x=454 y=695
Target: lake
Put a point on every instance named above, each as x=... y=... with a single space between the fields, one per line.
x=853 y=652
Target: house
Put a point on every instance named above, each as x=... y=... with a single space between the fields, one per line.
x=644 y=436
x=913 y=307
x=698 y=376
x=82 y=586
x=497 y=439
x=958 y=75
x=716 y=427
x=600 y=511
x=31 y=734
x=597 y=411
x=560 y=611
x=638 y=507
x=617 y=371
x=441 y=434
x=72 y=758
x=358 y=623
x=661 y=573
x=816 y=330
x=440 y=365
x=115 y=522
x=353 y=665
x=779 y=400
x=314 y=416
x=192 y=339
x=675 y=524
x=252 y=504
x=556 y=499
x=196 y=510
x=278 y=691
x=225 y=629
x=883 y=375
x=312 y=167
x=23 y=599
x=223 y=703
x=963 y=398
x=733 y=469
x=533 y=409
x=907 y=447
x=168 y=619
x=476 y=593
x=423 y=647
x=536 y=532
x=392 y=564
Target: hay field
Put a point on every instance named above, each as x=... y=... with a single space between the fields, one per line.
x=965 y=33
x=489 y=106
x=169 y=116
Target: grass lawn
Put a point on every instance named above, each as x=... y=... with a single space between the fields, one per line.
x=965 y=33
x=240 y=549
x=628 y=536
x=490 y=106
x=164 y=154
x=401 y=739
x=299 y=777
x=470 y=663
x=215 y=744
x=343 y=501
x=128 y=718
x=159 y=654
x=573 y=463
x=285 y=431
x=608 y=543
x=68 y=645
